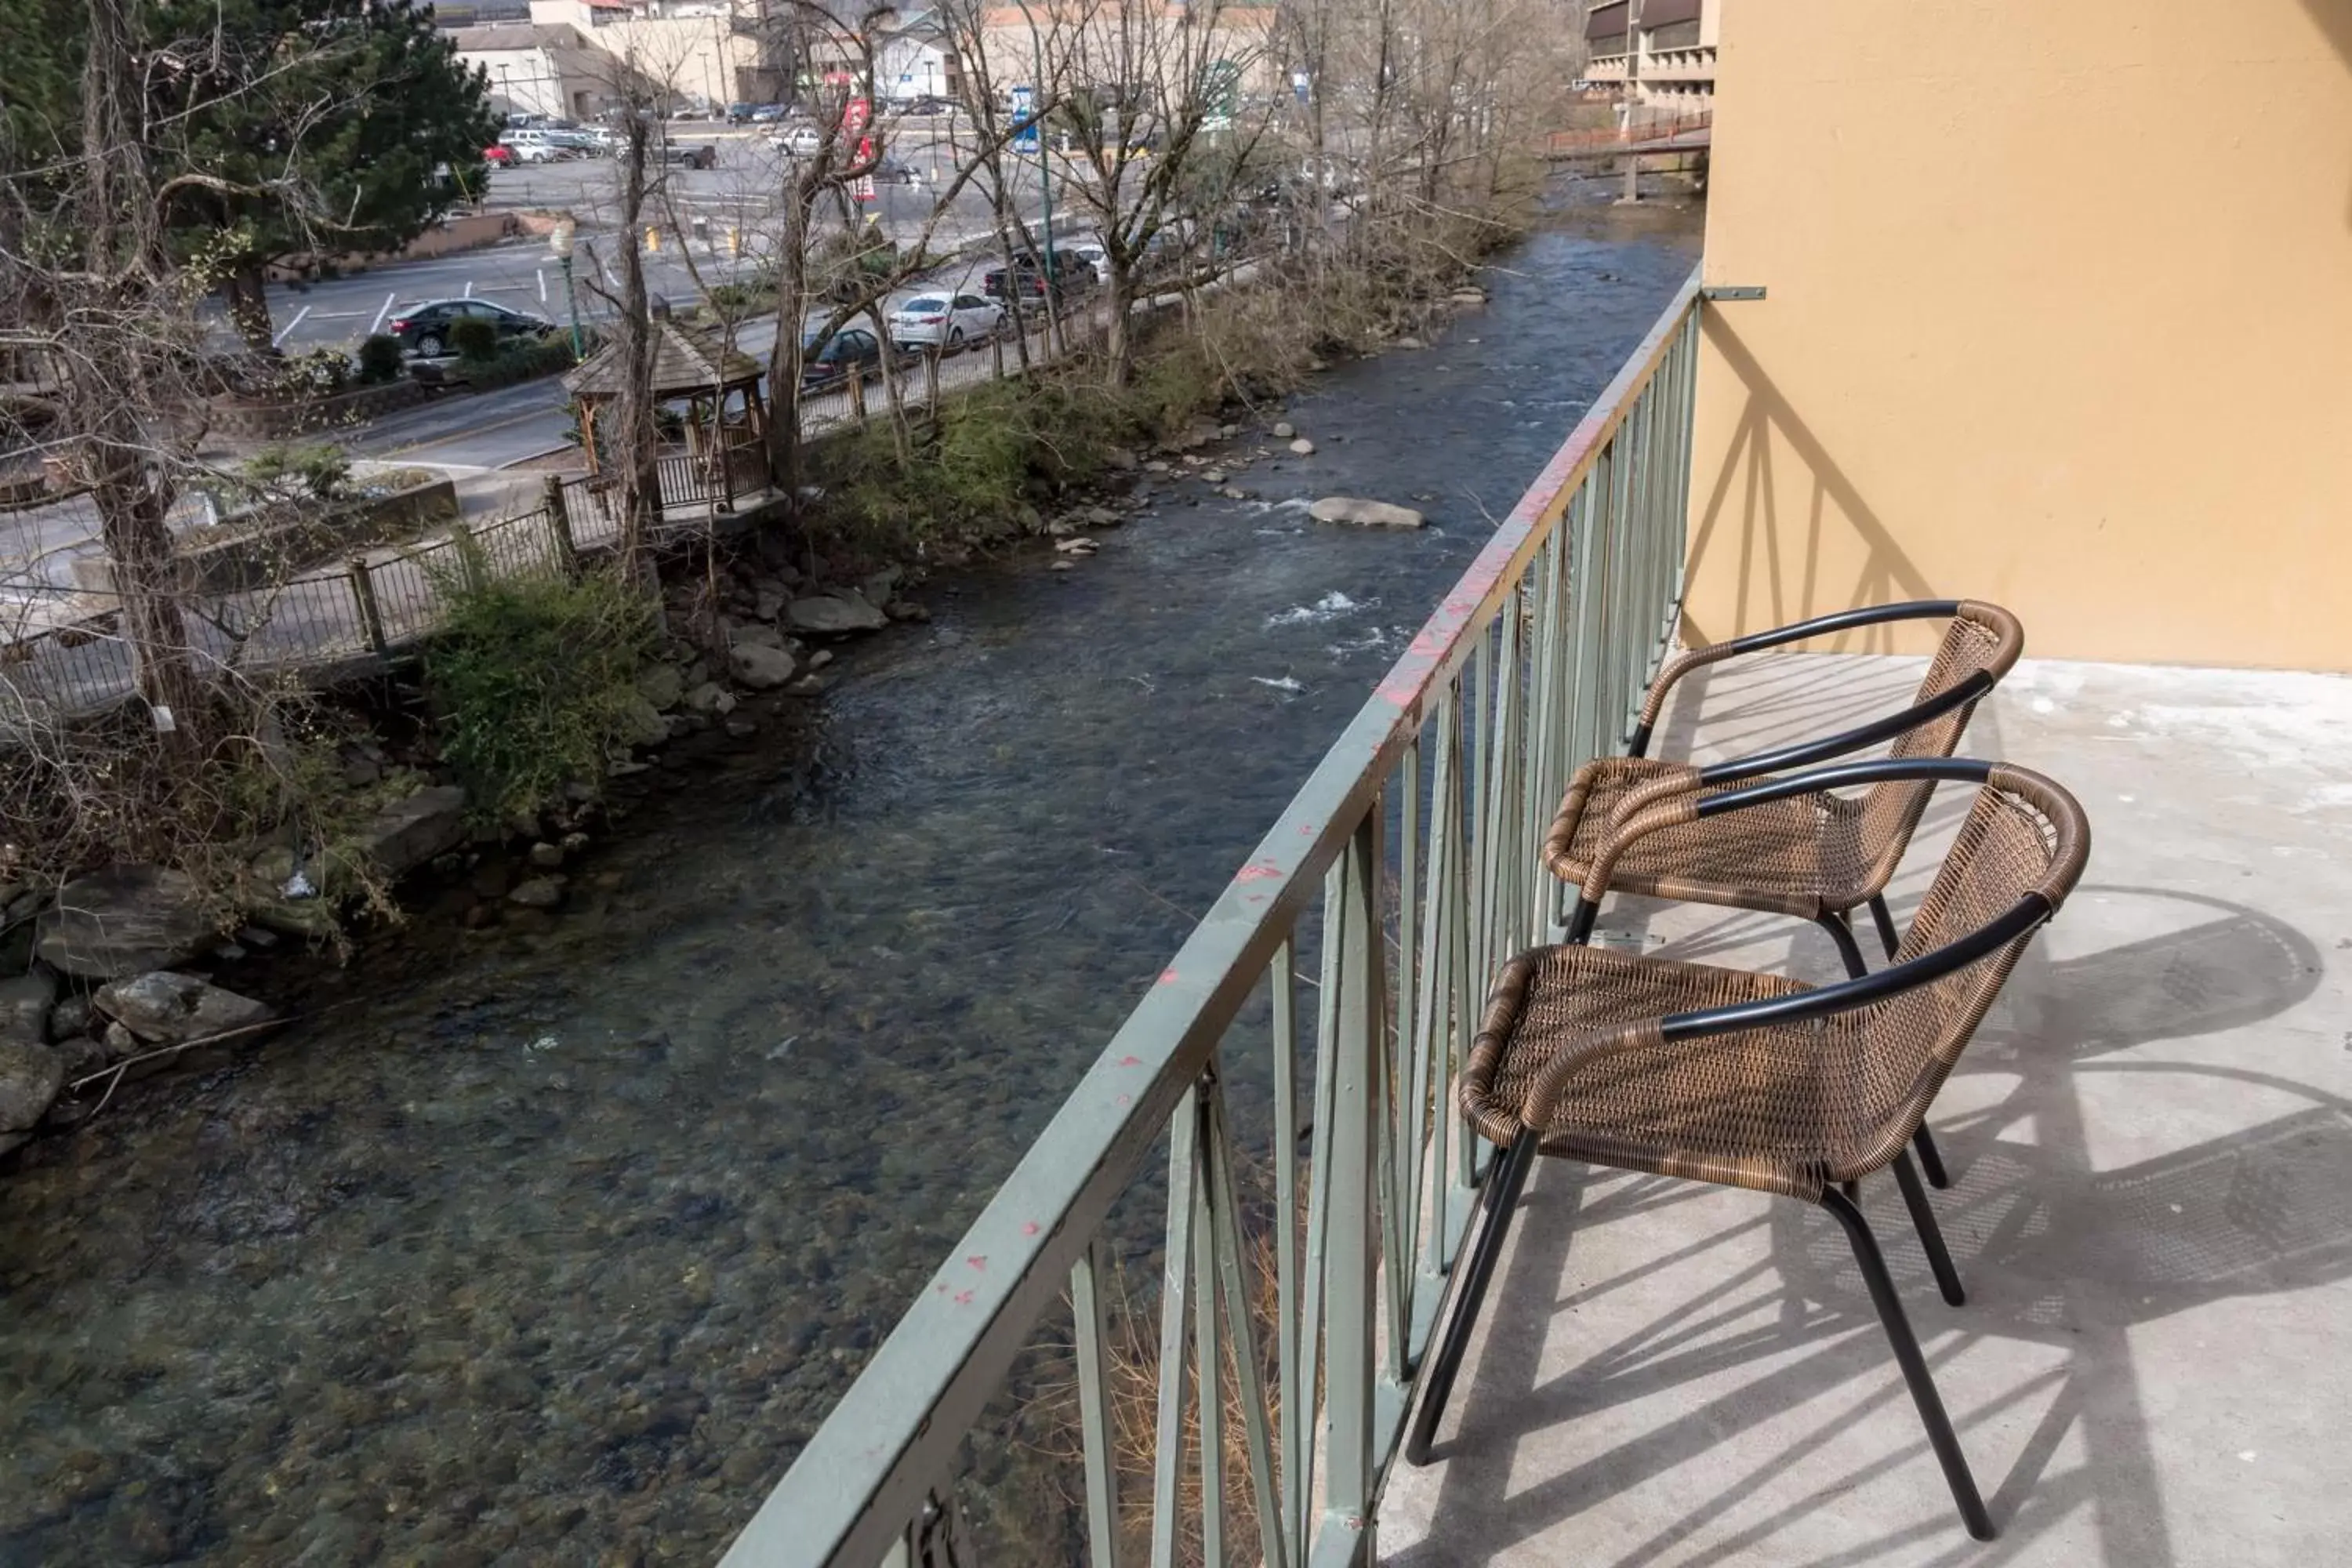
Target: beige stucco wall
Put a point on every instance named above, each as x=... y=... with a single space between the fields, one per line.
x=2060 y=315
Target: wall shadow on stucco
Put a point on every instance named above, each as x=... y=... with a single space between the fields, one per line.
x=1777 y=561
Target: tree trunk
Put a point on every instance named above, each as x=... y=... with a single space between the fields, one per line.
x=1118 y=348
x=247 y=292
x=784 y=357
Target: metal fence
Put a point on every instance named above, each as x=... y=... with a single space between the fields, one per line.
x=1398 y=878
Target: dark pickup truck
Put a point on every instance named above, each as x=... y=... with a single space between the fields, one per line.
x=1071 y=275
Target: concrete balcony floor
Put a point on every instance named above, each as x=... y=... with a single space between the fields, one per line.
x=2150 y=1142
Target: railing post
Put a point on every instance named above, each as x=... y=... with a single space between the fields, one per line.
x=559 y=526
x=371 y=614
x=1094 y=1407
x=1352 y=1258
x=857 y=396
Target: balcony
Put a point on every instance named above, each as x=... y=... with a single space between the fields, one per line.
x=2146 y=1143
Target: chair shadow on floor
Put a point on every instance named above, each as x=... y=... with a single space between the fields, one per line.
x=2055 y=1252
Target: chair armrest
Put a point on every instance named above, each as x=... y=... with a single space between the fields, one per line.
x=1714 y=652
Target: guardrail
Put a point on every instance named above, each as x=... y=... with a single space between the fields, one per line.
x=1419 y=831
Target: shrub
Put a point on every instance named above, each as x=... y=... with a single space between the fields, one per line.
x=532 y=682
x=380 y=359
x=319 y=373
x=319 y=467
x=474 y=339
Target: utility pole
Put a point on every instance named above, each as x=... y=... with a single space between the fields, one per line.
x=1632 y=84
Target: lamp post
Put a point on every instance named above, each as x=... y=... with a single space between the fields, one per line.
x=1037 y=130
x=558 y=242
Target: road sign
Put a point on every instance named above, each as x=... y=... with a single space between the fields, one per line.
x=1024 y=120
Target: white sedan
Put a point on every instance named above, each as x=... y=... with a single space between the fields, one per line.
x=943 y=321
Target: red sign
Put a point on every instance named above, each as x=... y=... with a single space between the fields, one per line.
x=857 y=113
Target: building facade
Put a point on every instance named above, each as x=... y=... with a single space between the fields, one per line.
x=538 y=68
x=2058 y=315
x=1656 y=54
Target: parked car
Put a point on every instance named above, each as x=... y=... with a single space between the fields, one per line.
x=800 y=141
x=851 y=352
x=534 y=145
x=704 y=156
x=423 y=328
x=499 y=153
x=741 y=113
x=1089 y=251
x=924 y=108
x=945 y=322
x=769 y=113
x=889 y=171
x=1072 y=276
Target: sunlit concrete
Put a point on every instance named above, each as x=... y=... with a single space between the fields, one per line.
x=2152 y=1201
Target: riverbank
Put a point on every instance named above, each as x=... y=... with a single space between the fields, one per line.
x=550 y=1240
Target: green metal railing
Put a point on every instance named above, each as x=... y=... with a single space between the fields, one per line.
x=1418 y=834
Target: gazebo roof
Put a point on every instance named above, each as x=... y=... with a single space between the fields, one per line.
x=685 y=361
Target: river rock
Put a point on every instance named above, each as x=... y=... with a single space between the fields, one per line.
x=168 y=1008
x=876 y=587
x=639 y=722
x=1214 y=476
x=1302 y=447
x=1410 y=342
x=409 y=832
x=760 y=668
x=547 y=856
x=30 y=1078
x=768 y=598
x=1361 y=513
x=538 y=893
x=1080 y=545
x=710 y=698
x=662 y=685
x=125 y=920
x=745 y=634
x=1469 y=296
x=832 y=614
x=70 y=1017
x=1283 y=429
x=24 y=1003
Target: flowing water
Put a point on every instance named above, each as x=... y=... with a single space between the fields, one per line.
x=553 y=1244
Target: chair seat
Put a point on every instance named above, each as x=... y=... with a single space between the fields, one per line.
x=1803 y=856
x=1771 y=1109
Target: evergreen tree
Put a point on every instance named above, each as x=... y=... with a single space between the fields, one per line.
x=273 y=128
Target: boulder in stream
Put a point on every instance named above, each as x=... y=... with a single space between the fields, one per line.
x=1359 y=513
x=760 y=668
x=835 y=615
x=168 y=1008
x=124 y=920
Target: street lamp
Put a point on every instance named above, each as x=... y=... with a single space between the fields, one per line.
x=560 y=241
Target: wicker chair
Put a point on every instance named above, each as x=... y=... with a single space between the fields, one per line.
x=1756 y=1081
x=1817 y=860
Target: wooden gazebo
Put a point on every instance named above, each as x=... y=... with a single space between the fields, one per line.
x=723 y=453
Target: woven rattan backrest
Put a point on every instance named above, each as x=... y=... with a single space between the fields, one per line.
x=2023 y=835
x=1979 y=638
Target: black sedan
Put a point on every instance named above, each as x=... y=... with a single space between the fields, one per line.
x=849 y=352
x=423 y=328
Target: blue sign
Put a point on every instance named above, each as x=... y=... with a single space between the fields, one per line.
x=1024 y=119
